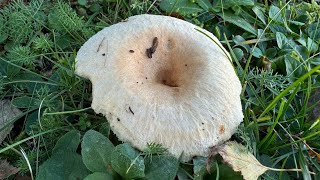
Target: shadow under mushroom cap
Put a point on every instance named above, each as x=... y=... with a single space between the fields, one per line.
x=158 y=79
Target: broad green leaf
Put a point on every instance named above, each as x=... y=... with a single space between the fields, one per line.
x=29 y=81
x=312 y=46
x=199 y=168
x=275 y=14
x=217 y=171
x=302 y=40
x=277 y=28
x=65 y=163
x=237 y=156
x=95 y=7
x=231 y=3
x=204 y=4
x=259 y=11
x=31 y=120
x=64 y=41
x=239 y=2
x=12 y=71
x=105 y=129
x=161 y=167
x=225 y=172
x=238 y=21
x=294 y=68
x=262 y=44
x=182 y=174
x=313 y=31
x=183 y=7
x=257 y=52
x=82 y=2
x=68 y=142
x=238 y=40
x=99 y=176
x=271 y=52
x=127 y=162
x=315 y=61
x=291 y=43
x=302 y=52
x=281 y=39
x=96 y=151
x=63 y=166
x=25 y=102
x=239 y=53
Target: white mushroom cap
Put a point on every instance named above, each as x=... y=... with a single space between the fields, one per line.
x=186 y=97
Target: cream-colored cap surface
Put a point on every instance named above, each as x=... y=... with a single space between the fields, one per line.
x=185 y=95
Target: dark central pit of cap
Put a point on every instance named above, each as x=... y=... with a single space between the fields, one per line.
x=168 y=78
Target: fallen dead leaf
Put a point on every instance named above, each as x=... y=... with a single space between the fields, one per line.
x=7 y=113
x=237 y=156
x=6 y=169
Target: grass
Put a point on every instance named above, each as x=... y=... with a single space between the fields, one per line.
x=275 y=52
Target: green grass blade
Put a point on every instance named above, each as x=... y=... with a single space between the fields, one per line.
x=27 y=139
x=288 y=89
x=267 y=139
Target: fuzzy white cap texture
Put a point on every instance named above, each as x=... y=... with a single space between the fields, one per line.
x=185 y=95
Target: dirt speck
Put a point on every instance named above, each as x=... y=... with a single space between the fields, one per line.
x=221 y=129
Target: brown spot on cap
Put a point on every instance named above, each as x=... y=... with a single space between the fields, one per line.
x=221 y=129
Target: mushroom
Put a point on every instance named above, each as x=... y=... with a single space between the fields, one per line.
x=157 y=79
